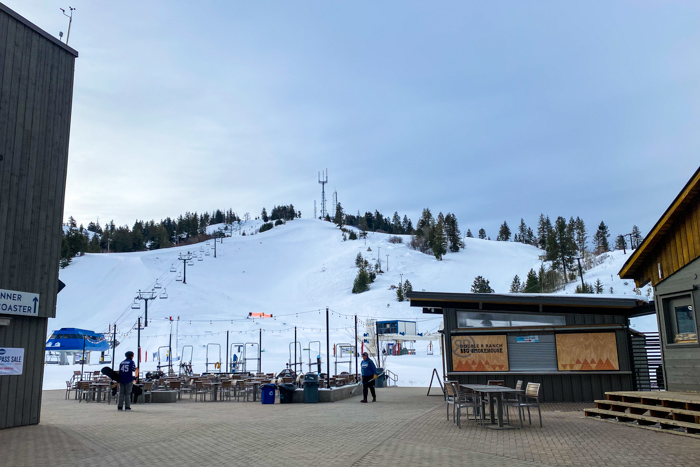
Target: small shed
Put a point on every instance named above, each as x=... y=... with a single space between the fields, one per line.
x=669 y=259
x=577 y=347
x=397 y=326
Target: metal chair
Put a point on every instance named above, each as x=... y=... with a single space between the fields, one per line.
x=450 y=398
x=466 y=400
x=531 y=398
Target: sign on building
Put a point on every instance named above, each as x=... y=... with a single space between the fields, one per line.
x=479 y=353
x=13 y=302
x=11 y=361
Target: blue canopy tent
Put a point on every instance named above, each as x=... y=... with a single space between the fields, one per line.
x=72 y=340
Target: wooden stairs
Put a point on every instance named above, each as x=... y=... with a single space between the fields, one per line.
x=666 y=411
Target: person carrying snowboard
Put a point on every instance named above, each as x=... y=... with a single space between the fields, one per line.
x=126 y=381
x=369 y=375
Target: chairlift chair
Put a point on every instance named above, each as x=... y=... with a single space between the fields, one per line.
x=179 y=277
x=207 y=253
x=200 y=258
x=157 y=285
x=136 y=305
x=190 y=263
x=164 y=294
x=172 y=268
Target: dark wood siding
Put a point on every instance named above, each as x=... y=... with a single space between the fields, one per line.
x=36 y=94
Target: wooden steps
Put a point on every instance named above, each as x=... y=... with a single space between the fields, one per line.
x=677 y=412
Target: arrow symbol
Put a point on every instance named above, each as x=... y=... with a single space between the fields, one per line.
x=35 y=300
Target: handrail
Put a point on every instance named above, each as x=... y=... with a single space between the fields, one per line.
x=391 y=376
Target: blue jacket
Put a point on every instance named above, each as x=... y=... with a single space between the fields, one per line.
x=368 y=367
x=126 y=369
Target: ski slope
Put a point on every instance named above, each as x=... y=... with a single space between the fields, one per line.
x=293 y=272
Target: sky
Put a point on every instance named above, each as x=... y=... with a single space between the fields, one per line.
x=494 y=111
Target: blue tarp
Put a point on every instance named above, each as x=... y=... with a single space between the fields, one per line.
x=72 y=339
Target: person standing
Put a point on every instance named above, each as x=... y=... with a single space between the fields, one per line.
x=369 y=376
x=126 y=380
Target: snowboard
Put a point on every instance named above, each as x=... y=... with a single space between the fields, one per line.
x=113 y=375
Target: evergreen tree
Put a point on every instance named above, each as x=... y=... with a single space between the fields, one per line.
x=338 y=218
x=584 y=288
x=469 y=234
x=362 y=281
x=620 y=243
x=516 y=286
x=532 y=284
x=407 y=287
x=600 y=239
x=453 y=233
x=544 y=228
x=636 y=237
x=399 y=293
x=503 y=233
x=580 y=234
x=438 y=242
x=598 y=286
x=263 y=215
x=481 y=285
x=396 y=224
x=522 y=232
x=482 y=234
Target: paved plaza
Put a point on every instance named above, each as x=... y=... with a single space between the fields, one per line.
x=405 y=428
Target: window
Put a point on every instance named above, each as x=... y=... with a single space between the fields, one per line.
x=478 y=319
x=680 y=320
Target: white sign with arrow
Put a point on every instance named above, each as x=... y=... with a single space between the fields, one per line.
x=13 y=302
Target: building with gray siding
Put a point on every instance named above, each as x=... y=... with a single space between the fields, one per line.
x=36 y=94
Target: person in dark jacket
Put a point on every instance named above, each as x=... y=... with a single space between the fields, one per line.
x=126 y=381
x=369 y=375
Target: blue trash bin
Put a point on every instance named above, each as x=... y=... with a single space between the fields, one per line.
x=268 y=394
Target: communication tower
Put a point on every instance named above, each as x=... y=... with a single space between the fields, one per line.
x=323 y=192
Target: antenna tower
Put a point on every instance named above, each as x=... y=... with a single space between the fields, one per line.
x=335 y=201
x=323 y=193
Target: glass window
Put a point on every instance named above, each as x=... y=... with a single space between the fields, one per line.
x=680 y=320
x=478 y=319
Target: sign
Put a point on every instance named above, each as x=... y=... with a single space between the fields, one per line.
x=533 y=339
x=587 y=352
x=11 y=361
x=13 y=302
x=479 y=353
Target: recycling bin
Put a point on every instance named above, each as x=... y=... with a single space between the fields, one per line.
x=287 y=393
x=310 y=388
x=268 y=394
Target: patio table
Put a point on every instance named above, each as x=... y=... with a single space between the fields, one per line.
x=493 y=392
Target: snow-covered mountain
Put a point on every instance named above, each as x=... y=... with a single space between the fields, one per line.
x=293 y=272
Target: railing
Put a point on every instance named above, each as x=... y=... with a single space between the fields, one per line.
x=646 y=361
x=390 y=377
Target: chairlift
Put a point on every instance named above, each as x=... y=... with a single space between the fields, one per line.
x=190 y=262
x=207 y=253
x=136 y=305
x=208 y=243
x=172 y=268
x=157 y=285
x=200 y=258
x=164 y=294
x=201 y=248
x=179 y=277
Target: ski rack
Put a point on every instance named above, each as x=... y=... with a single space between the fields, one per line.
x=169 y=360
x=237 y=365
x=339 y=352
x=246 y=358
x=217 y=363
x=299 y=366
x=187 y=366
x=317 y=361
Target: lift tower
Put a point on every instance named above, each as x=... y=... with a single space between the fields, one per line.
x=323 y=193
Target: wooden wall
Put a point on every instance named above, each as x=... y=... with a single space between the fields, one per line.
x=36 y=93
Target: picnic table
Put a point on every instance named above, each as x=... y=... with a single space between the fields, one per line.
x=493 y=392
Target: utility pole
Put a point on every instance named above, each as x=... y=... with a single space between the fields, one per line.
x=184 y=258
x=109 y=240
x=328 y=353
x=355 y=347
x=114 y=345
x=379 y=258
x=260 y=352
x=146 y=296
x=138 y=357
x=580 y=271
x=70 y=20
x=387 y=263
x=215 y=247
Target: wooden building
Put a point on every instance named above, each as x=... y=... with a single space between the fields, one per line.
x=669 y=258
x=578 y=347
x=36 y=94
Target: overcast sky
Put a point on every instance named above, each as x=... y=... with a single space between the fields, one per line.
x=491 y=110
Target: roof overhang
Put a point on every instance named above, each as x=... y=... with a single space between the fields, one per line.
x=635 y=265
x=434 y=302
